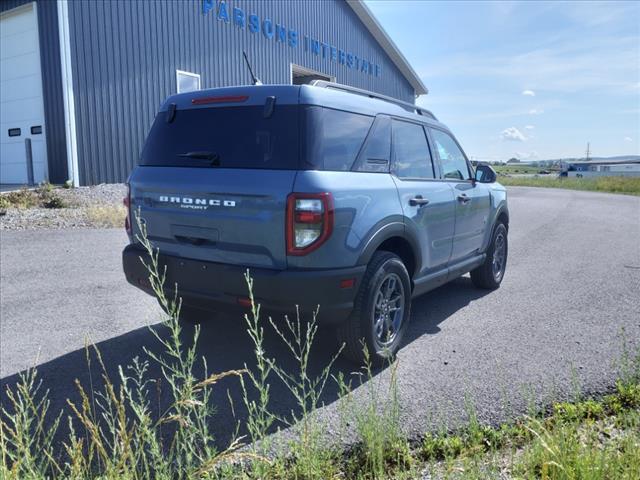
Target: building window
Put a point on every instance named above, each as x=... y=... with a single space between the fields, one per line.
x=301 y=75
x=187 y=81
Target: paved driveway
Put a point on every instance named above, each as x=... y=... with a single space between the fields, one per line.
x=568 y=303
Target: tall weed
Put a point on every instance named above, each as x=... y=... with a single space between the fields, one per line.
x=116 y=434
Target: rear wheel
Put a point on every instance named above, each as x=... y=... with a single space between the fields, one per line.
x=491 y=272
x=381 y=311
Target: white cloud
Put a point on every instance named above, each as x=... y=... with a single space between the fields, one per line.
x=628 y=139
x=529 y=127
x=536 y=111
x=529 y=93
x=512 y=134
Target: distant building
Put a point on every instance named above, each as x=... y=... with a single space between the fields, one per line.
x=627 y=168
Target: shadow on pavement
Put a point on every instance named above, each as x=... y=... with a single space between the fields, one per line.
x=226 y=346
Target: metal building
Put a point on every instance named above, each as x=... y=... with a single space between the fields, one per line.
x=80 y=81
x=603 y=168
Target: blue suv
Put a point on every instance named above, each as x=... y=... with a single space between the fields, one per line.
x=331 y=196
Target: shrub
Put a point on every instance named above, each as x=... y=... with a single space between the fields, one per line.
x=43 y=196
x=48 y=198
x=22 y=198
x=51 y=200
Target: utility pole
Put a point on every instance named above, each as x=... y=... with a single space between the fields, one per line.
x=588 y=152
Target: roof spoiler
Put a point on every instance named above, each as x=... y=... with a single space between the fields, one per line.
x=410 y=107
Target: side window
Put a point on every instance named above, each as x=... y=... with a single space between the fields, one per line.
x=412 y=157
x=454 y=164
x=377 y=151
x=339 y=138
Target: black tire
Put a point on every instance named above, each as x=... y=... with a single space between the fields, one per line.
x=486 y=276
x=360 y=330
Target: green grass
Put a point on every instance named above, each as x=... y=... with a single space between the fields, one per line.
x=115 y=434
x=517 y=169
x=589 y=439
x=625 y=185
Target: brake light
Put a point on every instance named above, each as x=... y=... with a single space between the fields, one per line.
x=309 y=221
x=126 y=201
x=348 y=283
x=227 y=99
x=244 y=301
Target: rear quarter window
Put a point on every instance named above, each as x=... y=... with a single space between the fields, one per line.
x=375 y=156
x=333 y=138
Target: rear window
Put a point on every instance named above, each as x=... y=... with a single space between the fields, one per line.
x=237 y=137
x=333 y=138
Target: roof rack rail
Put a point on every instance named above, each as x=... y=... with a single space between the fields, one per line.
x=410 y=107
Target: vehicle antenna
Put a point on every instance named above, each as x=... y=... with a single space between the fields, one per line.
x=256 y=80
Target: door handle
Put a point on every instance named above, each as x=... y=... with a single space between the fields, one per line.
x=418 y=201
x=462 y=198
x=191 y=240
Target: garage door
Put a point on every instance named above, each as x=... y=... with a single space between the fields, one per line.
x=21 y=105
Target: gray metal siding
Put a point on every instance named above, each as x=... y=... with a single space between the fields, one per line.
x=9 y=4
x=125 y=56
x=51 y=85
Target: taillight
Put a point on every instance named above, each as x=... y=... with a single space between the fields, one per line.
x=127 y=203
x=227 y=99
x=309 y=221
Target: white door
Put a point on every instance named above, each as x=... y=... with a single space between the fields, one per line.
x=21 y=103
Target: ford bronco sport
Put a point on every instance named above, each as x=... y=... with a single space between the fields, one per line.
x=331 y=196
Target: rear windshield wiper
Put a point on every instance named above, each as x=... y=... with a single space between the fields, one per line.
x=212 y=157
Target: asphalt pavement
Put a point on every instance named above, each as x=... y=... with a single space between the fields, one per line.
x=559 y=323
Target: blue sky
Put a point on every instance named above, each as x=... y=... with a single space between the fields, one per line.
x=535 y=80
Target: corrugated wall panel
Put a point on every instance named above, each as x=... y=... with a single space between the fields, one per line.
x=51 y=85
x=9 y=4
x=125 y=55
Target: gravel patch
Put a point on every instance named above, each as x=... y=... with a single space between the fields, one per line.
x=98 y=195
x=88 y=207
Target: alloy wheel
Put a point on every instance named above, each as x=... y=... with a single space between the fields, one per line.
x=388 y=311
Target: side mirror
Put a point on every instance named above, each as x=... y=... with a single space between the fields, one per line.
x=485 y=174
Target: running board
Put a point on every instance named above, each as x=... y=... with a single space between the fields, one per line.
x=436 y=279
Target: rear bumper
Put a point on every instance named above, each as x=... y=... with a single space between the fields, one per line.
x=216 y=286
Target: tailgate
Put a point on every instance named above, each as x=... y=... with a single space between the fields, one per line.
x=232 y=216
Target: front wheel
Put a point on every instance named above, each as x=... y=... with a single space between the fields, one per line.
x=491 y=272
x=381 y=312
